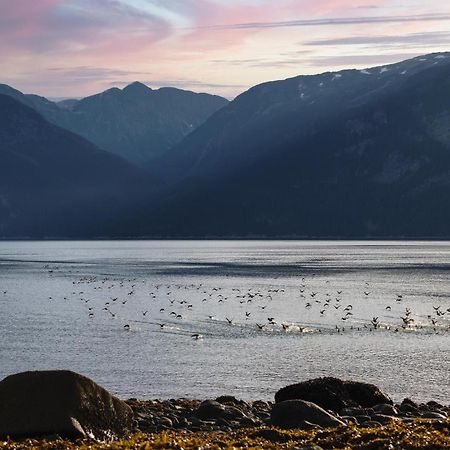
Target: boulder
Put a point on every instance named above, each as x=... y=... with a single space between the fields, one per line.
x=410 y=403
x=210 y=410
x=386 y=409
x=353 y=411
x=334 y=394
x=294 y=413
x=434 y=405
x=229 y=400
x=383 y=419
x=407 y=407
x=64 y=403
x=234 y=413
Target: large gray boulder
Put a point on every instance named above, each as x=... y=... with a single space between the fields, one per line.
x=64 y=403
x=294 y=413
x=334 y=394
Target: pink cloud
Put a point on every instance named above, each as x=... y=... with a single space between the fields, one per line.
x=123 y=40
x=22 y=19
x=49 y=25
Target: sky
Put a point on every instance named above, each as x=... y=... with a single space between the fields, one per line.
x=75 y=48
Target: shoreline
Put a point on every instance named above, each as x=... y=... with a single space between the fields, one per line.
x=368 y=239
x=161 y=432
x=155 y=416
x=63 y=409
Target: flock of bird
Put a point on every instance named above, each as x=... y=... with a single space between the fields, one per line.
x=306 y=307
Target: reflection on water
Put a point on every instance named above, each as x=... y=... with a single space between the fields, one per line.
x=203 y=318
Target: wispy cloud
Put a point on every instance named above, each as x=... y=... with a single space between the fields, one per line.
x=413 y=39
x=76 y=25
x=301 y=59
x=353 y=60
x=63 y=48
x=93 y=73
x=333 y=22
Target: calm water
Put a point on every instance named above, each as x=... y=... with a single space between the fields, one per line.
x=65 y=305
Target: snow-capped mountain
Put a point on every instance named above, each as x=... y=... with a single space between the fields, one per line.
x=351 y=153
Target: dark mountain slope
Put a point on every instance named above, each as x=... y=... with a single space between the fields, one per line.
x=347 y=154
x=50 y=110
x=137 y=123
x=55 y=183
x=273 y=114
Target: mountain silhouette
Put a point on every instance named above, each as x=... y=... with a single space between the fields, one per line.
x=55 y=183
x=136 y=123
x=356 y=153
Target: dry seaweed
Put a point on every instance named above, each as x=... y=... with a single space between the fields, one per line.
x=398 y=435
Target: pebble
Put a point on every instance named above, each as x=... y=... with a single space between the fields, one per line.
x=362 y=419
x=194 y=415
x=433 y=415
x=165 y=421
x=370 y=424
x=310 y=447
x=381 y=418
x=385 y=409
x=352 y=411
x=227 y=413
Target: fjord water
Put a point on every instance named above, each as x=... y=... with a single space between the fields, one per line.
x=64 y=305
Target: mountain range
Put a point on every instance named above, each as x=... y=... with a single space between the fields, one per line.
x=351 y=153
x=136 y=123
x=355 y=153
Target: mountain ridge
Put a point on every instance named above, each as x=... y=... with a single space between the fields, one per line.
x=355 y=153
x=266 y=97
x=136 y=122
x=370 y=158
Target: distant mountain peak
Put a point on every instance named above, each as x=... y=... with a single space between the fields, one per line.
x=137 y=87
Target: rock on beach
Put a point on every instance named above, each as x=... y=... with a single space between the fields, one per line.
x=334 y=394
x=298 y=413
x=63 y=403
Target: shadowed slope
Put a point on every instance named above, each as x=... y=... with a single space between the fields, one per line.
x=53 y=182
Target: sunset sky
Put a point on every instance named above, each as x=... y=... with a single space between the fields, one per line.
x=64 y=48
